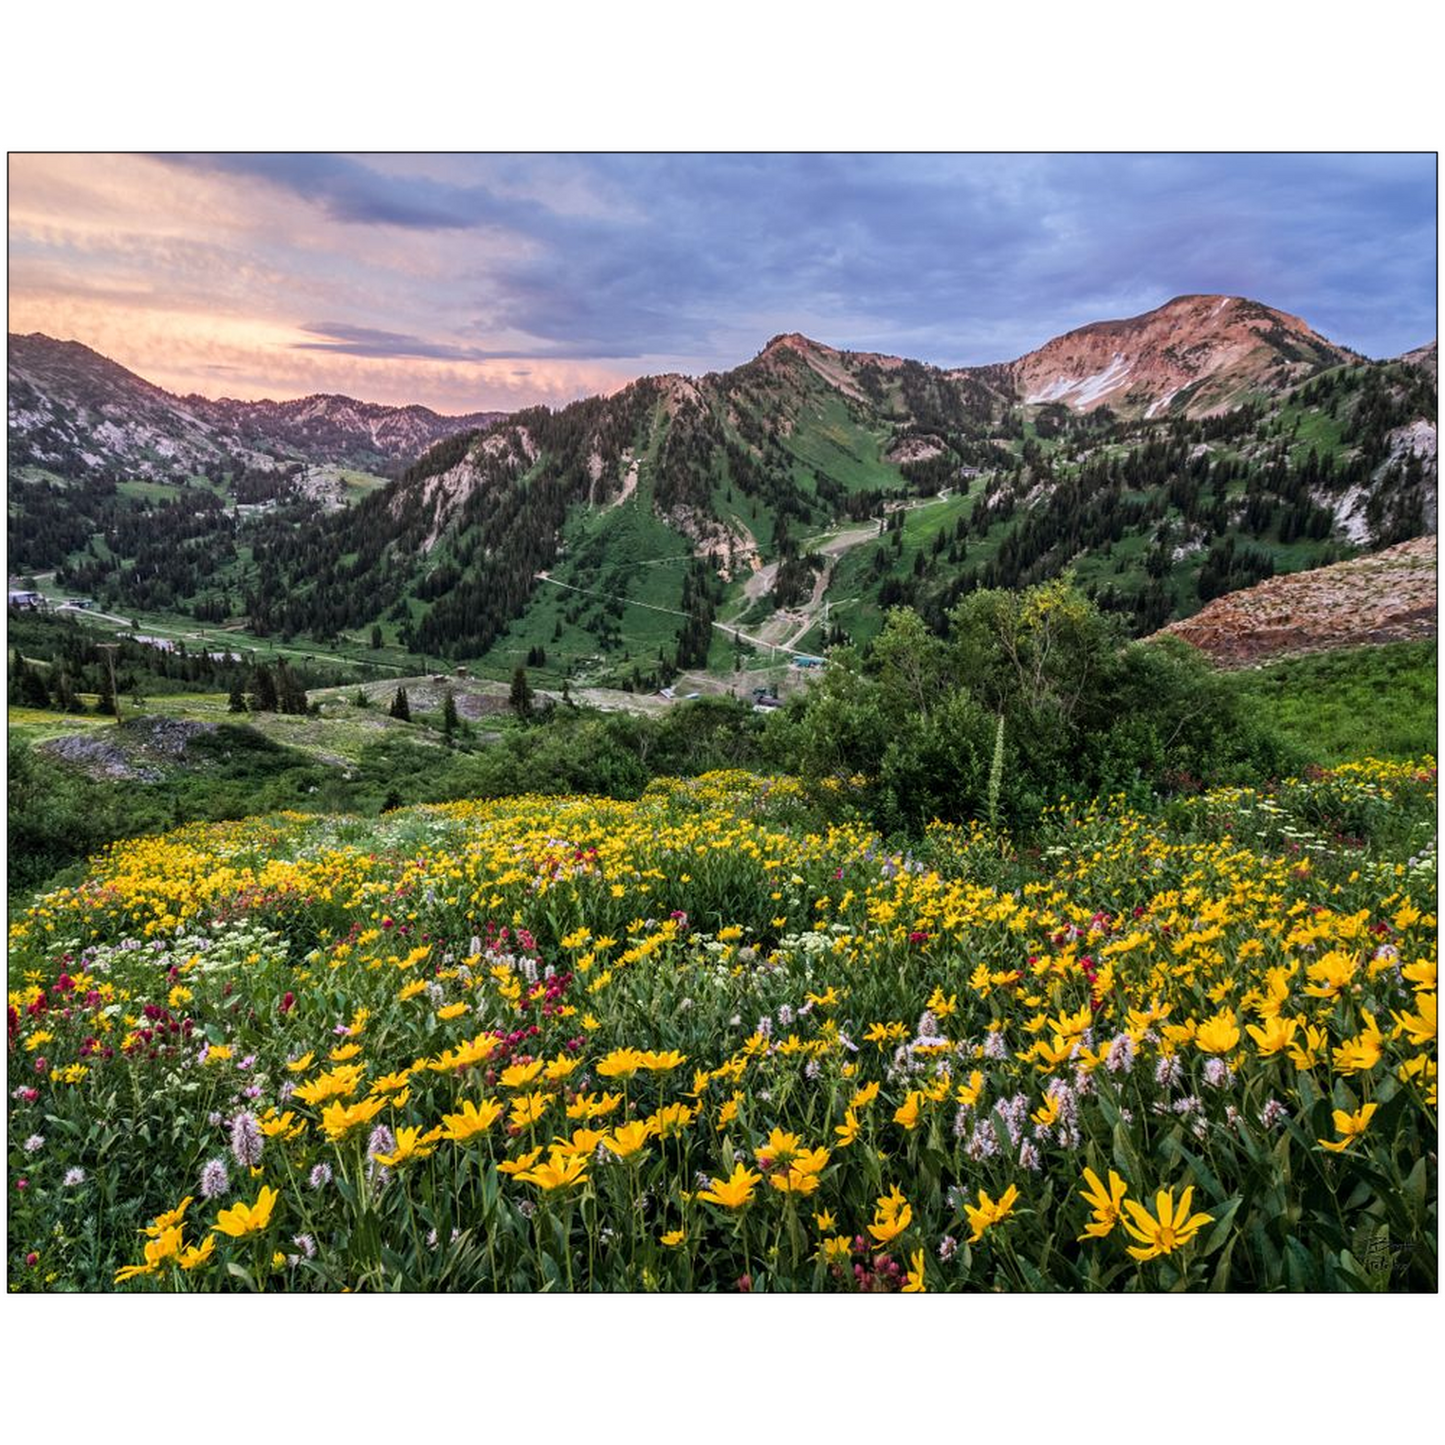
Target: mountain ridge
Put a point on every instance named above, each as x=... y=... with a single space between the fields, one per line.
x=71 y=408
x=1183 y=453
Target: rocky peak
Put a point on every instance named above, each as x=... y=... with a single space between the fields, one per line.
x=1195 y=354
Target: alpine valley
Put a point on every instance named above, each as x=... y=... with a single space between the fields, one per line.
x=704 y=526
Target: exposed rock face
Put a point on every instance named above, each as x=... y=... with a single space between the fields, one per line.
x=1195 y=354
x=1388 y=596
x=134 y=751
x=914 y=449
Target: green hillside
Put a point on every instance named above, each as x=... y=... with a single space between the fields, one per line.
x=654 y=512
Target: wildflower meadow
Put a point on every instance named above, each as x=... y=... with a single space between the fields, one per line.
x=725 y=1038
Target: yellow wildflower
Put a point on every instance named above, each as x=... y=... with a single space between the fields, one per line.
x=246 y=1219
x=1173 y=1229
x=1349 y=1127
x=734 y=1191
x=987 y=1213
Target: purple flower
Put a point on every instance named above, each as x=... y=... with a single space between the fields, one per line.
x=983 y=1142
x=1121 y=1055
x=214 y=1180
x=1273 y=1114
x=247 y=1142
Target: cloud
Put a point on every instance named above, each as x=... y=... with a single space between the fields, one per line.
x=351 y=191
x=435 y=272
x=340 y=337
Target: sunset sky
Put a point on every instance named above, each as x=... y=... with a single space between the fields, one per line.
x=470 y=282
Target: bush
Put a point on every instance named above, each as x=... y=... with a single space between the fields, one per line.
x=1083 y=712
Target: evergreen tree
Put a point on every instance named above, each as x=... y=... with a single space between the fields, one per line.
x=400 y=707
x=522 y=694
x=237 y=700
x=449 y=718
x=264 y=691
x=33 y=692
x=376 y=637
x=290 y=695
x=65 y=693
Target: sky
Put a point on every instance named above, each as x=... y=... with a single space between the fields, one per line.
x=475 y=282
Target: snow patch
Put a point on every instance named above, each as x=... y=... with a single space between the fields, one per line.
x=1082 y=391
x=1155 y=407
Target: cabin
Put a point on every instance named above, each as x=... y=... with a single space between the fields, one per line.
x=24 y=599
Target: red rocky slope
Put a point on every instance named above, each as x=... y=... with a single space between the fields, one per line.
x=1196 y=354
x=1388 y=596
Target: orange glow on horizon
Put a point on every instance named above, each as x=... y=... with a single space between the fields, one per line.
x=201 y=284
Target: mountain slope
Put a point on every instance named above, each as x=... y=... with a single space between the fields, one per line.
x=1199 y=355
x=77 y=413
x=682 y=521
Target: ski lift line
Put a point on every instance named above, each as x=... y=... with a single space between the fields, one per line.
x=611 y=596
x=645 y=562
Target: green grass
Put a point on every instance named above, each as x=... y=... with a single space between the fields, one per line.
x=1358 y=702
x=835 y=445
x=155 y=491
x=359 y=484
x=624 y=551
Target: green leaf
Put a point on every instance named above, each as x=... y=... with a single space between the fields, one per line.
x=241 y=1273
x=1299 y=1266
x=1219 y=1280
x=1223 y=1224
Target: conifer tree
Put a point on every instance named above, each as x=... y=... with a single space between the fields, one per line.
x=33 y=692
x=400 y=707
x=522 y=694
x=264 y=691
x=449 y=718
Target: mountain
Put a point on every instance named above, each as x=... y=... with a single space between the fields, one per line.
x=1199 y=355
x=1194 y=356
x=335 y=428
x=717 y=524
x=74 y=412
